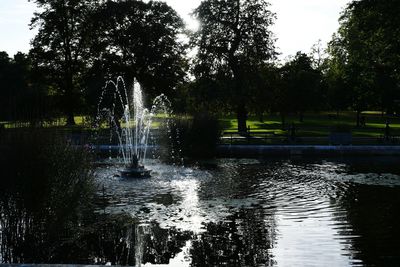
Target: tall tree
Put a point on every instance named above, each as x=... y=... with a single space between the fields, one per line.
x=301 y=82
x=339 y=97
x=22 y=97
x=234 y=38
x=61 y=45
x=368 y=37
x=264 y=84
x=14 y=80
x=6 y=85
x=141 y=40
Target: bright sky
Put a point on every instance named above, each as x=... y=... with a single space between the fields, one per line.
x=299 y=25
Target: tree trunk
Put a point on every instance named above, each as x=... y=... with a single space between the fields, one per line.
x=69 y=98
x=241 y=118
x=283 y=120
x=70 y=107
x=358 y=118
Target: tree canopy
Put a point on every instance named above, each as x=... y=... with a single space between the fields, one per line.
x=143 y=39
x=80 y=42
x=61 y=45
x=368 y=47
x=234 y=39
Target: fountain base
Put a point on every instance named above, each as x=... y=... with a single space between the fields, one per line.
x=138 y=172
x=135 y=170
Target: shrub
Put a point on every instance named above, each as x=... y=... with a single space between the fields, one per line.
x=45 y=189
x=195 y=138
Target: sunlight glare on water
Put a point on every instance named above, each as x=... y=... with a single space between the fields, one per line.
x=277 y=212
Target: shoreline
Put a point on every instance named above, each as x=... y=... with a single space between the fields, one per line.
x=236 y=151
x=306 y=150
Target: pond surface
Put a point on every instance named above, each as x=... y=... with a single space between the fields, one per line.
x=260 y=213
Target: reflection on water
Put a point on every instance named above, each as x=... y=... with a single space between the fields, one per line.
x=244 y=213
x=282 y=212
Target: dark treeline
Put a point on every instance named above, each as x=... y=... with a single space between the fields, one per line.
x=80 y=44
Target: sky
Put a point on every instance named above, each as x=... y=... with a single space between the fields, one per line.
x=299 y=24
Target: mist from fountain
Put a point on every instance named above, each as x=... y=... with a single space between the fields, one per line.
x=129 y=119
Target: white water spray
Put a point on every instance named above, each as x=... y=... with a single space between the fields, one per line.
x=129 y=119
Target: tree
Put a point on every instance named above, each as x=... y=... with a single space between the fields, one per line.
x=301 y=84
x=61 y=46
x=318 y=55
x=22 y=96
x=233 y=38
x=140 y=40
x=264 y=84
x=5 y=81
x=368 y=39
x=339 y=97
x=14 y=78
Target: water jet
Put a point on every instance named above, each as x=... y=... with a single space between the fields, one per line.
x=131 y=122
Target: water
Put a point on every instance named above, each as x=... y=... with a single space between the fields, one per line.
x=265 y=212
x=226 y=212
x=129 y=120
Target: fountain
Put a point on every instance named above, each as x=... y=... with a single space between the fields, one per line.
x=133 y=133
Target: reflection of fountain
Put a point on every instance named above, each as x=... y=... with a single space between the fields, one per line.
x=133 y=132
x=140 y=231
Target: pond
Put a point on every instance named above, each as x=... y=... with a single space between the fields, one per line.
x=263 y=212
x=225 y=212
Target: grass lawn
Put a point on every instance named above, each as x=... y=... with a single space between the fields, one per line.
x=82 y=123
x=314 y=124
x=317 y=124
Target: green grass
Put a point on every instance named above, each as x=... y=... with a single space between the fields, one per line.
x=82 y=122
x=317 y=124
x=314 y=124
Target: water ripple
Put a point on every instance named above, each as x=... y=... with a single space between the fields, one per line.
x=309 y=210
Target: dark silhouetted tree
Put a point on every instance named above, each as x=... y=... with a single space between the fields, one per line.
x=301 y=85
x=234 y=38
x=61 y=46
x=338 y=93
x=263 y=85
x=6 y=88
x=368 y=38
x=23 y=96
x=140 y=40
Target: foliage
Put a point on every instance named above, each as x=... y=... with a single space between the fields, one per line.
x=137 y=40
x=45 y=186
x=300 y=89
x=266 y=95
x=78 y=49
x=367 y=46
x=23 y=96
x=60 y=48
x=195 y=138
x=233 y=41
x=207 y=95
x=337 y=88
